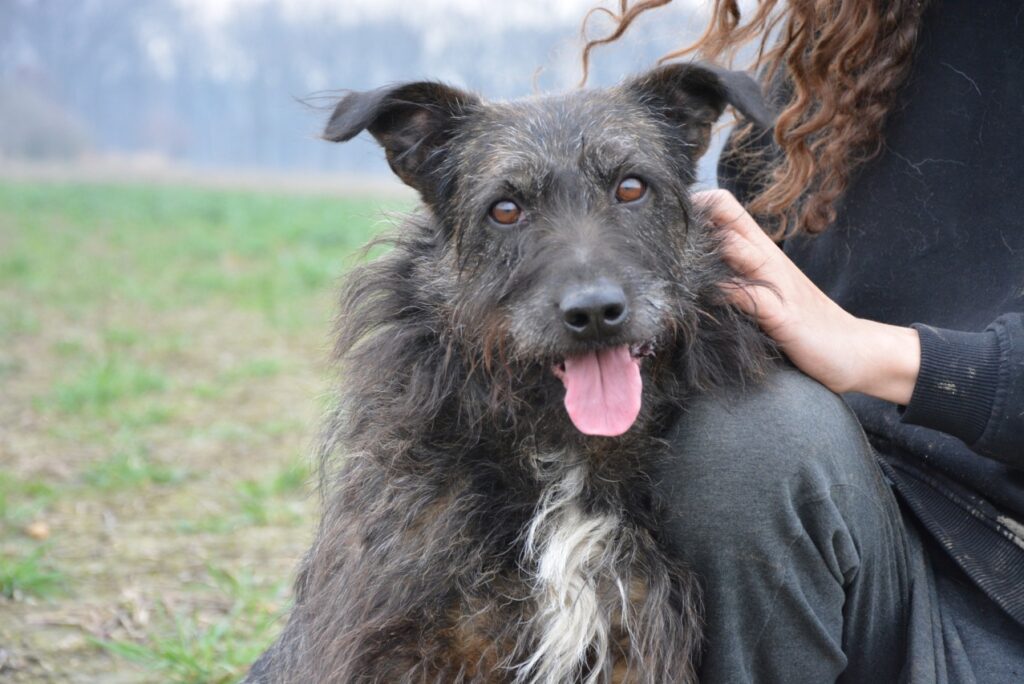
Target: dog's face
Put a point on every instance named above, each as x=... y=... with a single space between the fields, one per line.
x=567 y=226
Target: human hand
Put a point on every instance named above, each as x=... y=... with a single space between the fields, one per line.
x=839 y=350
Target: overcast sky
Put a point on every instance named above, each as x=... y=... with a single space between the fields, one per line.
x=193 y=98
x=492 y=12
x=443 y=22
x=485 y=14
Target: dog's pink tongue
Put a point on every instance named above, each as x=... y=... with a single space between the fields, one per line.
x=602 y=391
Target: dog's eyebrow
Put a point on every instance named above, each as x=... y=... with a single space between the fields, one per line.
x=611 y=162
x=608 y=158
x=513 y=172
x=504 y=185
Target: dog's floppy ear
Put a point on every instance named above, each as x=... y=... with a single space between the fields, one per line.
x=695 y=95
x=411 y=121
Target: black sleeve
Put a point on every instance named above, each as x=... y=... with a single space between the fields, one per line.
x=971 y=386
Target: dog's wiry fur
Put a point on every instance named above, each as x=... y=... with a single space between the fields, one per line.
x=470 y=532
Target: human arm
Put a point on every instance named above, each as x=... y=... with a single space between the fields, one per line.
x=971 y=385
x=966 y=384
x=839 y=350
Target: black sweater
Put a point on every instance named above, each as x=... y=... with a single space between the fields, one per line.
x=931 y=234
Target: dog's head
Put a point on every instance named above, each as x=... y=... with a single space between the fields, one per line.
x=568 y=239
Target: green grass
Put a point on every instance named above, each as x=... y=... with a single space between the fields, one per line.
x=209 y=524
x=142 y=414
x=161 y=352
x=253 y=368
x=204 y=648
x=106 y=381
x=262 y=502
x=14 y=320
x=131 y=469
x=172 y=247
x=273 y=500
x=22 y=500
x=29 y=574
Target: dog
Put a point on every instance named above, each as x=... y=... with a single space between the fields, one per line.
x=509 y=370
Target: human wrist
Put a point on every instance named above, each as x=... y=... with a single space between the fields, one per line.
x=956 y=391
x=889 y=361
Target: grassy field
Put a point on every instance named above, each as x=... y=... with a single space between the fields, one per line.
x=163 y=363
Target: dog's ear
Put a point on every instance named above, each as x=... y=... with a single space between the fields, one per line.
x=695 y=95
x=412 y=122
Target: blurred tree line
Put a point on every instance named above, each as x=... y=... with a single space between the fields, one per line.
x=149 y=76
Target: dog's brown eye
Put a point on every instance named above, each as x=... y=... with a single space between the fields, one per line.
x=630 y=189
x=505 y=212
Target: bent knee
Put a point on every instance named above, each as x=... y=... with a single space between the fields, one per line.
x=750 y=453
x=785 y=416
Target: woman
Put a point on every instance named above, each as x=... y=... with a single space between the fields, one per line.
x=889 y=546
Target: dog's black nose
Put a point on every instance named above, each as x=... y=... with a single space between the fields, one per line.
x=594 y=311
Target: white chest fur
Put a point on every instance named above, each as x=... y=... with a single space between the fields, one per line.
x=572 y=553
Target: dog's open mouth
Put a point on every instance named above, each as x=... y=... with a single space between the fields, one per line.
x=603 y=388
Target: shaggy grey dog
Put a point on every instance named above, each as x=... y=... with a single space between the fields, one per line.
x=509 y=370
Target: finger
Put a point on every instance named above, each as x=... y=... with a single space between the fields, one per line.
x=746 y=257
x=725 y=211
x=749 y=298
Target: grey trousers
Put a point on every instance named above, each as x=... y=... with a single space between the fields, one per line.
x=810 y=570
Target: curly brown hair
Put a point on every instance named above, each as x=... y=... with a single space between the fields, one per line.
x=842 y=61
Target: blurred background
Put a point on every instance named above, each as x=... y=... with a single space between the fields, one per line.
x=217 y=84
x=171 y=235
